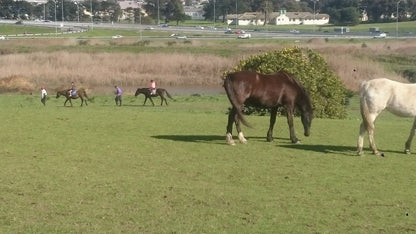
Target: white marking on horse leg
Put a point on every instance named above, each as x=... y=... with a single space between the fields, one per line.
x=229 y=139
x=241 y=138
x=360 y=142
x=372 y=142
x=409 y=140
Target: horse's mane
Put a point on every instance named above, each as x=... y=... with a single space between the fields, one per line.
x=293 y=79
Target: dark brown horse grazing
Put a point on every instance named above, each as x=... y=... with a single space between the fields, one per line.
x=81 y=94
x=162 y=93
x=266 y=91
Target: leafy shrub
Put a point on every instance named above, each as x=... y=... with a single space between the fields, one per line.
x=171 y=43
x=142 y=43
x=410 y=75
x=83 y=42
x=328 y=94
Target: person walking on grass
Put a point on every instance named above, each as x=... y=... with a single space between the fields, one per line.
x=43 y=95
x=118 y=95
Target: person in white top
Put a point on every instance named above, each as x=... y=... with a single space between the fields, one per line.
x=152 y=87
x=43 y=94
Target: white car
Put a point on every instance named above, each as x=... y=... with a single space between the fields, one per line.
x=381 y=35
x=2 y=37
x=244 y=36
x=117 y=36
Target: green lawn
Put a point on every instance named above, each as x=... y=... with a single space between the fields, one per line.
x=144 y=169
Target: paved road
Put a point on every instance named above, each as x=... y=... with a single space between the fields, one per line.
x=210 y=33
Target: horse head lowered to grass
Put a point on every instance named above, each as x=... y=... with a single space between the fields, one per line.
x=81 y=94
x=266 y=91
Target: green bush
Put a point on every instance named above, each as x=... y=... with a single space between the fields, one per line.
x=410 y=74
x=328 y=94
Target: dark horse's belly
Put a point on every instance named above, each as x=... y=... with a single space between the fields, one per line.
x=254 y=102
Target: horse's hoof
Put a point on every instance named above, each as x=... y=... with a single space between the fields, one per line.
x=241 y=138
x=407 y=151
x=229 y=139
x=230 y=143
x=360 y=153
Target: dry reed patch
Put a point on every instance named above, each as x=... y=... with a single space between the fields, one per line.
x=97 y=70
x=353 y=65
x=14 y=84
x=352 y=70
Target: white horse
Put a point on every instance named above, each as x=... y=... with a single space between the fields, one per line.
x=379 y=94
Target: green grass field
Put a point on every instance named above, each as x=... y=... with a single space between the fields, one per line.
x=144 y=169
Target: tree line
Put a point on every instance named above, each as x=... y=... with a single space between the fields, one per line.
x=156 y=11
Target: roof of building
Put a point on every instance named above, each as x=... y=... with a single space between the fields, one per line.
x=290 y=15
x=128 y=4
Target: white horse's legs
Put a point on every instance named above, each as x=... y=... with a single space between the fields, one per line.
x=367 y=125
x=370 y=128
x=409 y=140
x=229 y=139
x=360 y=143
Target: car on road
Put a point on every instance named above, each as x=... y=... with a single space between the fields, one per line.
x=381 y=35
x=244 y=36
x=117 y=36
x=178 y=36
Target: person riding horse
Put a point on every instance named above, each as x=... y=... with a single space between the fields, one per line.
x=73 y=90
x=152 y=87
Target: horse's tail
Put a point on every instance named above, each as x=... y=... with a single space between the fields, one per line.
x=231 y=96
x=167 y=94
x=365 y=113
x=88 y=98
x=85 y=93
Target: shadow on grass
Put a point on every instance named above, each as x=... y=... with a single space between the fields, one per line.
x=194 y=138
x=327 y=149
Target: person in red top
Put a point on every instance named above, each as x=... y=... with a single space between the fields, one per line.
x=152 y=87
x=44 y=94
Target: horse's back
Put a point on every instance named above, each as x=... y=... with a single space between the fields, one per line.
x=258 y=80
x=382 y=93
x=266 y=90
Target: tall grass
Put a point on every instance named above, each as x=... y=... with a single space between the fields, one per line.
x=97 y=71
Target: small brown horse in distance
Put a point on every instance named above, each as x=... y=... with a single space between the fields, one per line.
x=162 y=93
x=266 y=91
x=81 y=94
